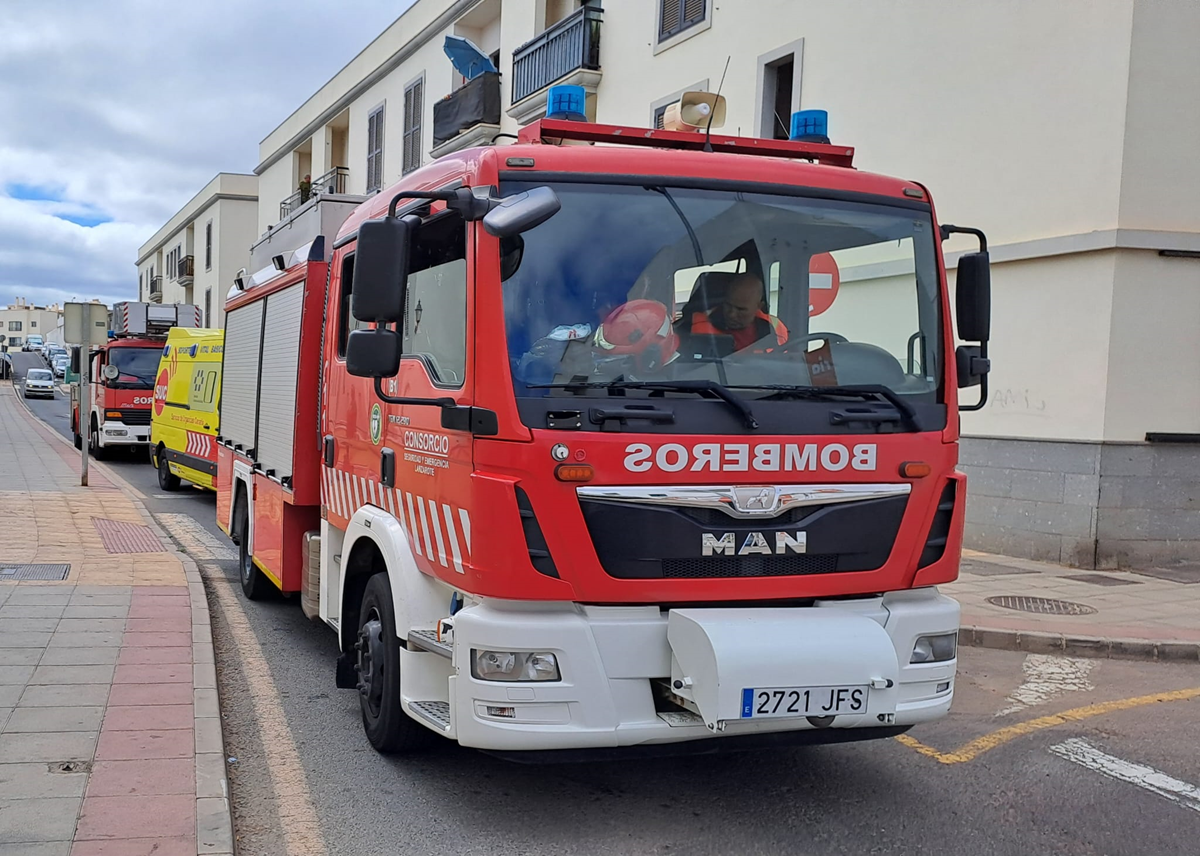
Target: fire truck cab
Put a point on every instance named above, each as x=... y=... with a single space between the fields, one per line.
x=122 y=375
x=603 y=440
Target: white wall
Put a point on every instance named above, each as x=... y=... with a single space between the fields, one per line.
x=235 y=235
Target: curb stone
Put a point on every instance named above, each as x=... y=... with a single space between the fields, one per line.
x=214 y=817
x=1037 y=642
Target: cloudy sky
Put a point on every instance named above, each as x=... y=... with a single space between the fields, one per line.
x=113 y=113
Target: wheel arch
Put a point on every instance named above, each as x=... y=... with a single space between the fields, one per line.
x=377 y=543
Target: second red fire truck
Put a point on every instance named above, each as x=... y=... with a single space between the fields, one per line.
x=640 y=442
x=122 y=375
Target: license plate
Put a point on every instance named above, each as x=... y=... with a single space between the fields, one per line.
x=802 y=701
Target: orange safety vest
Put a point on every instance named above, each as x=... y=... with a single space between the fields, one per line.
x=702 y=325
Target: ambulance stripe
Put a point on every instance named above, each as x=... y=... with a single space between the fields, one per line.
x=387 y=498
x=324 y=486
x=437 y=531
x=412 y=517
x=337 y=493
x=357 y=495
x=340 y=484
x=371 y=488
x=425 y=528
x=453 y=538
x=465 y=519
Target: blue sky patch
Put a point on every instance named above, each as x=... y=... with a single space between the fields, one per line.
x=33 y=193
x=88 y=219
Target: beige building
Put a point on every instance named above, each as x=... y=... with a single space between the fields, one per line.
x=20 y=320
x=1065 y=130
x=194 y=257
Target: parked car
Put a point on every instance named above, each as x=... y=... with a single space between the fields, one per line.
x=60 y=365
x=39 y=382
x=33 y=343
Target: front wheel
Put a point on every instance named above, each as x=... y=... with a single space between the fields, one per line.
x=255 y=584
x=167 y=480
x=98 y=451
x=388 y=727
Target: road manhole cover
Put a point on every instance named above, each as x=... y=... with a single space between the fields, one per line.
x=13 y=572
x=1040 y=605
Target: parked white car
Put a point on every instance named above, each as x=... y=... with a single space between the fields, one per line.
x=60 y=365
x=39 y=382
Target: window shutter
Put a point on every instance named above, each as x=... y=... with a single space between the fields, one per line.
x=693 y=12
x=669 y=10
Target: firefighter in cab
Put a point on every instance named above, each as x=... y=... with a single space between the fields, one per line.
x=741 y=316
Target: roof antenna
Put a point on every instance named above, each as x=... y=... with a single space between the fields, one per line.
x=713 y=112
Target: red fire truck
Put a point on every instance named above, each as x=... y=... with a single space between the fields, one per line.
x=614 y=438
x=122 y=375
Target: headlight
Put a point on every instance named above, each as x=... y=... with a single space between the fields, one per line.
x=514 y=666
x=935 y=649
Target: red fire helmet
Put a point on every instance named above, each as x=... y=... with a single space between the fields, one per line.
x=640 y=329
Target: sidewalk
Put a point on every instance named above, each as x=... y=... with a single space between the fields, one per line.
x=110 y=731
x=1146 y=615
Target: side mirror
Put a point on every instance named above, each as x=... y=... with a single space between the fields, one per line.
x=972 y=364
x=380 y=276
x=973 y=297
x=522 y=212
x=373 y=353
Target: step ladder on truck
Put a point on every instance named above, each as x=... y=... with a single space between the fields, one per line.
x=615 y=439
x=123 y=375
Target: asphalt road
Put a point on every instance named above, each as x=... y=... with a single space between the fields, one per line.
x=998 y=776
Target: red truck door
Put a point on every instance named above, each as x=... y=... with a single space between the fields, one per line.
x=431 y=455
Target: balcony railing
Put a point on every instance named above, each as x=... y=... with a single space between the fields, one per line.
x=186 y=270
x=156 y=283
x=477 y=102
x=333 y=181
x=572 y=43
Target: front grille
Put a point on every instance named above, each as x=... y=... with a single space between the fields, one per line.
x=749 y=566
x=135 y=417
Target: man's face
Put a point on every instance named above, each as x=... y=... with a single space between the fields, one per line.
x=741 y=304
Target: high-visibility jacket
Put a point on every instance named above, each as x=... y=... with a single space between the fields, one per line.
x=764 y=326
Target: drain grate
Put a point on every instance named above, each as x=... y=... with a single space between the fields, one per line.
x=33 y=572
x=1040 y=605
x=121 y=537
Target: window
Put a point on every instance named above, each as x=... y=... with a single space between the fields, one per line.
x=374 y=151
x=208 y=245
x=675 y=16
x=208 y=307
x=435 y=312
x=779 y=89
x=14 y=325
x=660 y=114
x=346 y=321
x=32 y=324
x=173 y=259
x=14 y=340
x=414 y=101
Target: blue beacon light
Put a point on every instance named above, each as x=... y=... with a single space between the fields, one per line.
x=566 y=102
x=810 y=126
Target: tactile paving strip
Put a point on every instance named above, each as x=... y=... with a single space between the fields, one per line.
x=119 y=537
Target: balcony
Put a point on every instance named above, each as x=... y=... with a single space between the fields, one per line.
x=186 y=270
x=332 y=182
x=156 y=289
x=467 y=117
x=568 y=52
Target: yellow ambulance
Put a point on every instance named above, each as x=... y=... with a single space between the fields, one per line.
x=183 y=424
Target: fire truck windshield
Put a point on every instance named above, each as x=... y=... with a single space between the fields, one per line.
x=753 y=291
x=136 y=367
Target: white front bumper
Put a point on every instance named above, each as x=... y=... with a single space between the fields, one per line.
x=113 y=433
x=609 y=657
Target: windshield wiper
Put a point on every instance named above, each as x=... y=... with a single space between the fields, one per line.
x=700 y=387
x=860 y=390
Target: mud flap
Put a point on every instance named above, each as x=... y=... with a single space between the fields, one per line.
x=720 y=654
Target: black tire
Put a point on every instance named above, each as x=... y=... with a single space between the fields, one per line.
x=388 y=727
x=94 y=448
x=255 y=584
x=167 y=480
x=78 y=440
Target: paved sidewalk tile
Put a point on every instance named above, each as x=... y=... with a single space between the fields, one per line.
x=126 y=694
x=78 y=695
x=47 y=748
x=138 y=778
x=20 y=656
x=137 y=817
x=137 y=745
x=32 y=781
x=108 y=639
x=29 y=640
x=21 y=674
x=26 y=610
x=28 y=625
x=148 y=717
x=115 y=610
x=147 y=656
x=158 y=673
x=61 y=675
x=53 y=821
x=42 y=719
x=137 y=847
x=76 y=656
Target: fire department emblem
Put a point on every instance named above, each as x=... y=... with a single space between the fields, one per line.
x=376 y=423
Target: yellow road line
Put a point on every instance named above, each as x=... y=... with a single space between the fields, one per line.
x=972 y=750
x=297 y=815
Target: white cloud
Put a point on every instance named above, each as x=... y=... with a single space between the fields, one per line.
x=128 y=107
